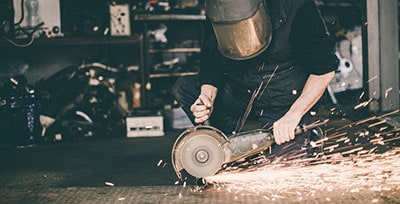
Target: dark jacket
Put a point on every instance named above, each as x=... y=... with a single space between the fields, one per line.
x=300 y=46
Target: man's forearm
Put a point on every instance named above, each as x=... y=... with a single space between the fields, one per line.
x=312 y=92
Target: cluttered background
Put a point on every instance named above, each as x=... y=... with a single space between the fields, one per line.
x=96 y=68
x=77 y=78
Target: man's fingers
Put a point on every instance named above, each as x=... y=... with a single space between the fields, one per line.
x=277 y=135
x=204 y=100
x=282 y=134
x=198 y=106
x=200 y=114
x=291 y=135
x=200 y=110
x=201 y=119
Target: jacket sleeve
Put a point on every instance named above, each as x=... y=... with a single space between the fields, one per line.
x=312 y=44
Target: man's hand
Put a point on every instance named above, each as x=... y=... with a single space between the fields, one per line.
x=285 y=127
x=315 y=86
x=204 y=105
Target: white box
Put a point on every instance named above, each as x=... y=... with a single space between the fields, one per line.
x=144 y=126
x=120 y=23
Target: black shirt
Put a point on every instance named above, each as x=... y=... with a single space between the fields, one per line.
x=312 y=46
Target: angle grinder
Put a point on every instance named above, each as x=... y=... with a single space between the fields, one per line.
x=203 y=150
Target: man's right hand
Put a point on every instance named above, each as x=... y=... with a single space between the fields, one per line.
x=204 y=104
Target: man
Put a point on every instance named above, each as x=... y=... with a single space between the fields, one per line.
x=276 y=75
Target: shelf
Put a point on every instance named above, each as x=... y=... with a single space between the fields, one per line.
x=163 y=17
x=338 y=4
x=175 y=50
x=178 y=74
x=193 y=24
x=71 y=41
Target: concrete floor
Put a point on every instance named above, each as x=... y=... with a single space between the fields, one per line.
x=128 y=170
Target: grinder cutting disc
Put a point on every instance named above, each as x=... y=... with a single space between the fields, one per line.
x=199 y=152
x=202 y=156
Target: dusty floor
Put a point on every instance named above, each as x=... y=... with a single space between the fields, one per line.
x=136 y=170
x=177 y=194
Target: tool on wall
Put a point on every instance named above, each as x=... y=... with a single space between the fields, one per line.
x=42 y=17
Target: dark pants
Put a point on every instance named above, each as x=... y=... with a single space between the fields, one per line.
x=230 y=106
